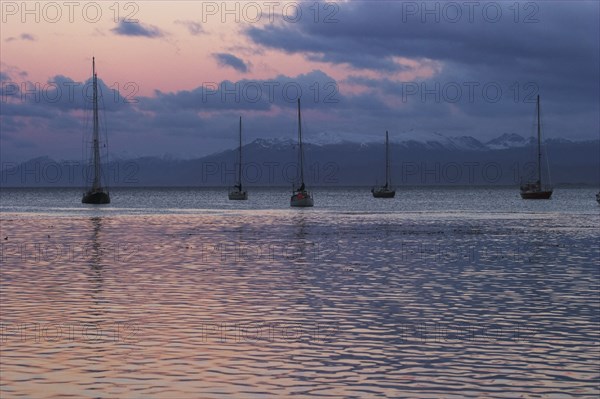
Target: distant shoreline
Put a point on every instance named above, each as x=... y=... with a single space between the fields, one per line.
x=316 y=187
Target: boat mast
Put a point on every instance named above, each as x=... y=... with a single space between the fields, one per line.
x=240 y=160
x=539 y=134
x=387 y=164
x=300 y=143
x=96 y=184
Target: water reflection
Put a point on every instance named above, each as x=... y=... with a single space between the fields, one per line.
x=95 y=263
x=338 y=322
x=300 y=251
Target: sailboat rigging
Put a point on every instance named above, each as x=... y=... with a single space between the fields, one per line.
x=385 y=191
x=301 y=197
x=536 y=190
x=237 y=193
x=96 y=194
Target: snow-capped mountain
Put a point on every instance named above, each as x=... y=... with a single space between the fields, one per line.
x=435 y=140
x=409 y=139
x=507 y=140
x=330 y=138
x=416 y=158
x=275 y=143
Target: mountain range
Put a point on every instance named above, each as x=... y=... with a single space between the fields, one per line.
x=414 y=139
x=417 y=158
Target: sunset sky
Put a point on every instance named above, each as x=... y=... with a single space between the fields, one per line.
x=363 y=68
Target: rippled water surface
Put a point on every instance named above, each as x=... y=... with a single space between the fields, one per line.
x=183 y=294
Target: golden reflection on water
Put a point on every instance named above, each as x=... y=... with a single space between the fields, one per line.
x=279 y=304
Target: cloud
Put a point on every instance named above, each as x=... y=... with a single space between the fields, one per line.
x=315 y=87
x=200 y=120
x=369 y=35
x=125 y=28
x=23 y=36
x=556 y=53
x=225 y=59
x=60 y=93
x=195 y=28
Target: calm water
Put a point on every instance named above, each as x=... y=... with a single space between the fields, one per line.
x=180 y=293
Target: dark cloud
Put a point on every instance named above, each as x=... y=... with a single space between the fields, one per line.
x=225 y=59
x=195 y=28
x=370 y=33
x=64 y=94
x=559 y=47
x=546 y=48
x=125 y=28
x=316 y=88
x=11 y=110
x=197 y=121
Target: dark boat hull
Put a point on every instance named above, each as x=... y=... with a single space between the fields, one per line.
x=384 y=194
x=536 y=194
x=96 y=197
x=238 y=195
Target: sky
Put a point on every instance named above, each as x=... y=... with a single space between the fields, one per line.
x=175 y=76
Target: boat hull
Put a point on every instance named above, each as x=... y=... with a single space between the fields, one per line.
x=238 y=195
x=302 y=201
x=536 y=194
x=383 y=193
x=96 y=197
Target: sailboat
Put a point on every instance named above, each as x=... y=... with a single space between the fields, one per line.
x=385 y=191
x=301 y=197
x=237 y=193
x=535 y=190
x=96 y=194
